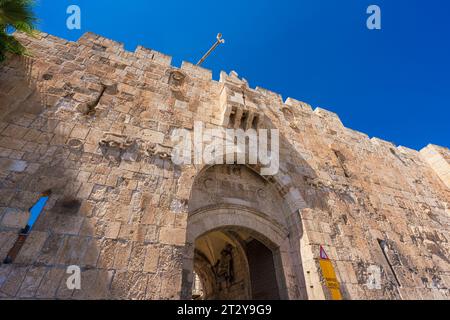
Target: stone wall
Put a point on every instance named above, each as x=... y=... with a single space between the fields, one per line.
x=439 y=159
x=93 y=122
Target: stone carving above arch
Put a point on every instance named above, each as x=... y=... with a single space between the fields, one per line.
x=281 y=182
x=236 y=185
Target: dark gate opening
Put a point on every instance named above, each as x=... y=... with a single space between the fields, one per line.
x=262 y=272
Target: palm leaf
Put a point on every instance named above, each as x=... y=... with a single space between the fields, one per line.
x=18 y=14
x=10 y=44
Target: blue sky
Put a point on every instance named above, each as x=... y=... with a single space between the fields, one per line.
x=392 y=83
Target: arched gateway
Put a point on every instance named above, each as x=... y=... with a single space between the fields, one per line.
x=242 y=238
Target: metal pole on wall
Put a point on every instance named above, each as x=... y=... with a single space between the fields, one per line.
x=215 y=45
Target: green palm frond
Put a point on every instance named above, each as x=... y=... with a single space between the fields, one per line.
x=10 y=44
x=17 y=14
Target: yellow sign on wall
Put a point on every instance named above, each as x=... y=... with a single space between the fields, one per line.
x=329 y=275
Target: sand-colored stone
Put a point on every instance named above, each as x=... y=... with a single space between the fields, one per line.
x=93 y=123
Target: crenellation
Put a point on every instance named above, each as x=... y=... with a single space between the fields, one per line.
x=386 y=145
x=150 y=54
x=356 y=138
x=331 y=118
x=99 y=43
x=299 y=104
x=408 y=151
x=273 y=98
x=196 y=71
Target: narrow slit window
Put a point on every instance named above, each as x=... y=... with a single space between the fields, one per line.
x=35 y=212
x=244 y=120
x=232 y=117
x=255 y=122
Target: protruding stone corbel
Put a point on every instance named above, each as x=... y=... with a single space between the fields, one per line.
x=116 y=147
x=114 y=140
x=161 y=151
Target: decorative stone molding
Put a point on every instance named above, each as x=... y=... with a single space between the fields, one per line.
x=119 y=147
x=236 y=110
x=164 y=152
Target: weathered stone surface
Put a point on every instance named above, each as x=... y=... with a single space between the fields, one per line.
x=151 y=260
x=15 y=218
x=173 y=236
x=12 y=284
x=31 y=282
x=129 y=285
x=32 y=247
x=139 y=225
x=13 y=165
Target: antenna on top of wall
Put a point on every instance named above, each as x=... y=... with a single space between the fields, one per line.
x=215 y=45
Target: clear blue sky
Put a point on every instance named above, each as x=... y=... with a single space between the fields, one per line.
x=393 y=84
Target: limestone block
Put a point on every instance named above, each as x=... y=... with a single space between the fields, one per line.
x=31 y=282
x=92 y=253
x=13 y=165
x=137 y=257
x=122 y=255
x=112 y=230
x=14 y=131
x=151 y=260
x=31 y=247
x=48 y=254
x=67 y=224
x=85 y=190
x=152 y=136
x=129 y=285
x=15 y=218
x=196 y=71
x=172 y=236
x=12 y=284
x=5 y=270
x=79 y=132
x=88 y=282
x=72 y=250
x=107 y=252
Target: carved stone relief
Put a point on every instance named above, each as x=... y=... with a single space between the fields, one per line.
x=117 y=147
x=223 y=269
x=177 y=80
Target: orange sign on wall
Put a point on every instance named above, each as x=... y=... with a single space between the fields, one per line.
x=329 y=275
